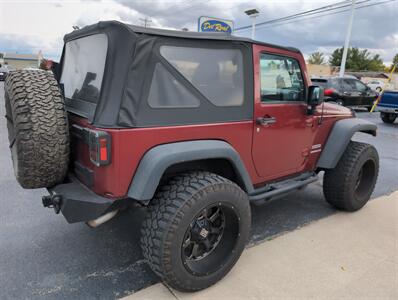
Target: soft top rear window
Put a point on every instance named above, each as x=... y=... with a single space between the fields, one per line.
x=83 y=68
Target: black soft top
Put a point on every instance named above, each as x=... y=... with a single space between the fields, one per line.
x=133 y=53
x=220 y=36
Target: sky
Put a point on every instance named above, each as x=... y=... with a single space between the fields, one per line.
x=30 y=26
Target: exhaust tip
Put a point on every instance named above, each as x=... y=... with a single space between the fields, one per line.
x=103 y=219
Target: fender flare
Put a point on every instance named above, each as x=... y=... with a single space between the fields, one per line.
x=155 y=162
x=338 y=139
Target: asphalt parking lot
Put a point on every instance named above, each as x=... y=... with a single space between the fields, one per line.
x=41 y=256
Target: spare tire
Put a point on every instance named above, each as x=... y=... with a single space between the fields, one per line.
x=37 y=128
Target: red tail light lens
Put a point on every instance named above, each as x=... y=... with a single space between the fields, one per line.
x=100 y=147
x=329 y=92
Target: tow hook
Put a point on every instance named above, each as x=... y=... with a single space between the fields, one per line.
x=52 y=201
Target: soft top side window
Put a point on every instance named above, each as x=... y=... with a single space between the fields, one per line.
x=281 y=79
x=216 y=73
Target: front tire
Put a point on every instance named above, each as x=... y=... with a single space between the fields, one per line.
x=388 y=117
x=195 y=230
x=349 y=185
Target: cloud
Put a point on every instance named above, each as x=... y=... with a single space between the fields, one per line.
x=41 y=25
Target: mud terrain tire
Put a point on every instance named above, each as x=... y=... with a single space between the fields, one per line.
x=37 y=128
x=175 y=212
x=349 y=185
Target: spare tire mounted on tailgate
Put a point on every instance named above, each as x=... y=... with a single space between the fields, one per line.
x=37 y=128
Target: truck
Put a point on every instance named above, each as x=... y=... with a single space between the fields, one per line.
x=194 y=127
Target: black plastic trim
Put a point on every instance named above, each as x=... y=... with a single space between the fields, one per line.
x=78 y=203
x=158 y=159
x=338 y=139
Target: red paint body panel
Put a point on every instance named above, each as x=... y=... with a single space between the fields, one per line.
x=268 y=153
x=129 y=146
x=282 y=148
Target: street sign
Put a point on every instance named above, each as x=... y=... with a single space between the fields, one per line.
x=209 y=24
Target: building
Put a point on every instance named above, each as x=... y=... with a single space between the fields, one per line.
x=21 y=61
x=319 y=70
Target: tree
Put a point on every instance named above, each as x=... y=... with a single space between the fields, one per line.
x=316 y=58
x=394 y=62
x=357 y=60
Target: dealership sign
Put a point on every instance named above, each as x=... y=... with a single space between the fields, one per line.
x=208 y=24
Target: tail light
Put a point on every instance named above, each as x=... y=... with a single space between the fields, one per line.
x=99 y=147
x=329 y=92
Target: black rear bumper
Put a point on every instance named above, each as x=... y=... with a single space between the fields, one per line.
x=78 y=203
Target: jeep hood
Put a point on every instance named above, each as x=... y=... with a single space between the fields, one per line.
x=331 y=109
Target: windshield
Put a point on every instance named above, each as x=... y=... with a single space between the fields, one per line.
x=320 y=82
x=83 y=67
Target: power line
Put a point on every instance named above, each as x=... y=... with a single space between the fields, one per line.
x=325 y=14
x=318 y=10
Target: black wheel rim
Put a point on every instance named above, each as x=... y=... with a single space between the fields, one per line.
x=365 y=179
x=210 y=239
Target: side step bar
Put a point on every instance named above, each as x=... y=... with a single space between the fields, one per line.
x=279 y=189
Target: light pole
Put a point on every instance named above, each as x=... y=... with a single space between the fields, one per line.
x=347 y=41
x=253 y=13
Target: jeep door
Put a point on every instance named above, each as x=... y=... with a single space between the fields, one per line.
x=283 y=131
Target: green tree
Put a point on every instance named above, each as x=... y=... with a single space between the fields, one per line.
x=357 y=60
x=316 y=58
x=395 y=62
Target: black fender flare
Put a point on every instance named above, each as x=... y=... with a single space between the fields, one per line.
x=339 y=137
x=155 y=162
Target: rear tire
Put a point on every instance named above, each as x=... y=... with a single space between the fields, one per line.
x=195 y=230
x=349 y=185
x=37 y=128
x=388 y=117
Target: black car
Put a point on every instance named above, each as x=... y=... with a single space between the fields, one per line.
x=346 y=91
x=3 y=73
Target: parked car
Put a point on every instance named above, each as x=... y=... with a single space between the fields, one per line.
x=376 y=85
x=193 y=126
x=388 y=106
x=346 y=91
x=3 y=73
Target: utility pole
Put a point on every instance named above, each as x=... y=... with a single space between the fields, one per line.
x=146 y=21
x=347 y=40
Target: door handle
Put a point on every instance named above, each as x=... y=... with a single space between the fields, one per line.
x=264 y=121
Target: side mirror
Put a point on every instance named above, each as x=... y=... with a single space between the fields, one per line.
x=315 y=97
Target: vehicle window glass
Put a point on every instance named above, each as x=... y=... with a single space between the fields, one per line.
x=83 y=67
x=281 y=79
x=348 y=85
x=334 y=83
x=167 y=92
x=216 y=73
x=320 y=82
x=359 y=86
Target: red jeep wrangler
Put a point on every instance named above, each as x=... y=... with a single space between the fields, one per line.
x=195 y=126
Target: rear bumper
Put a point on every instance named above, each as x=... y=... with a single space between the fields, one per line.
x=78 y=203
